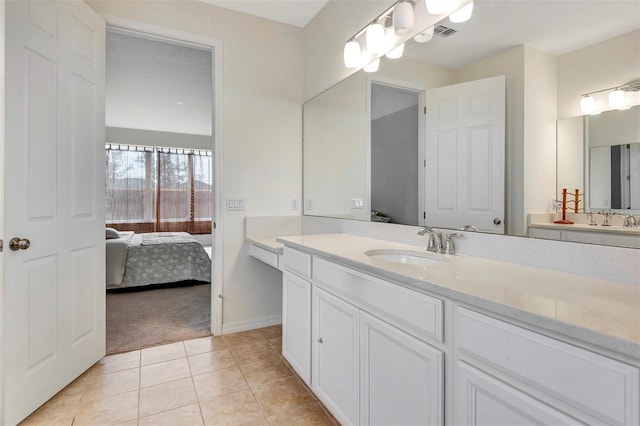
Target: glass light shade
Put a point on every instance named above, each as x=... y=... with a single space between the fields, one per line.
x=588 y=105
x=375 y=39
x=463 y=14
x=424 y=36
x=403 y=18
x=396 y=52
x=352 y=54
x=373 y=66
x=616 y=100
x=436 y=7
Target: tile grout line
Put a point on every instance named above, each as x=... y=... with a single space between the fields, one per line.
x=193 y=383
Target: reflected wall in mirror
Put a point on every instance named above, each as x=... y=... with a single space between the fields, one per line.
x=549 y=58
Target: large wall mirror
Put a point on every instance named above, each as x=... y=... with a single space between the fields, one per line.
x=364 y=138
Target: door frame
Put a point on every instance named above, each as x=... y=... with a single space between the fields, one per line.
x=124 y=25
x=421 y=91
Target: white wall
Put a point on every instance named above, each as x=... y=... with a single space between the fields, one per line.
x=570 y=154
x=119 y=135
x=607 y=64
x=540 y=88
x=262 y=71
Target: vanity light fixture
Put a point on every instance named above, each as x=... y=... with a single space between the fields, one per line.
x=375 y=38
x=352 y=54
x=616 y=98
x=396 y=52
x=403 y=18
x=424 y=36
x=373 y=66
x=463 y=14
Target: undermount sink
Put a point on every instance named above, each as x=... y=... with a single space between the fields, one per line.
x=409 y=257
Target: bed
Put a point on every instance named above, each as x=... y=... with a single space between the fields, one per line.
x=155 y=258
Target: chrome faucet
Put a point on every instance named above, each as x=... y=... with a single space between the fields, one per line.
x=629 y=221
x=449 y=246
x=435 y=239
x=469 y=228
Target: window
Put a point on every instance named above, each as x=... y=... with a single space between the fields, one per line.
x=150 y=189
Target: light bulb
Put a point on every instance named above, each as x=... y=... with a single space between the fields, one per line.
x=375 y=38
x=424 y=36
x=403 y=18
x=352 y=54
x=588 y=105
x=463 y=14
x=436 y=7
x=616 y=100
x=396 y=52
x=373 y=66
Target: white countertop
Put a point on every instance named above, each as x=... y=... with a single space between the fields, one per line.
x=595 y=311
x=633 y=231
x=267 y=243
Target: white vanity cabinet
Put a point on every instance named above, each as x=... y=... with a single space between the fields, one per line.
x=506 y=374
x=401 y=377
x=334 y=356
x=296 y=312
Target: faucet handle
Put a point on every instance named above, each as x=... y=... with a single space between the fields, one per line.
x=432 y=245
x=449 y=246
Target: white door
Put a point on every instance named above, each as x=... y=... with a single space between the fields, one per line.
x=53 y=181
x=481 y=399
x=334 y=361
x=465 y=155
x=296 y=324
x=401 y=377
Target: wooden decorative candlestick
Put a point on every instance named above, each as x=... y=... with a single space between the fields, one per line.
x=564 y=219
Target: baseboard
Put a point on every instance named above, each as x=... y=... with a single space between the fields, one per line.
x=235 y=327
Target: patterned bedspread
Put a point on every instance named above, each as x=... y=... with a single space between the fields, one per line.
x=165 y=257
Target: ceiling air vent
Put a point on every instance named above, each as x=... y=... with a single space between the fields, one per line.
x=443 y=31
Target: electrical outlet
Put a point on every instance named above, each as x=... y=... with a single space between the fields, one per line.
x=308 y=204
x=235 y=204
x=357 y=203
x=294 y=204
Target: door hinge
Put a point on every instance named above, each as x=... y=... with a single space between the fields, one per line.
x=425 y=163
x=424 y=215
x=1 y=245
x=425 y=110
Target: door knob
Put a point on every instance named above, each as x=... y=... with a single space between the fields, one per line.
x=16 y=244
x=497 y=221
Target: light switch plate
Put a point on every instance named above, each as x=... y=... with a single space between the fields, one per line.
x=357 y=203
x=294 y=204
x=308 y=204
x=235 y=204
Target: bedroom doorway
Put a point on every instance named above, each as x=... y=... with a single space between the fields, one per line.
x=162 y=98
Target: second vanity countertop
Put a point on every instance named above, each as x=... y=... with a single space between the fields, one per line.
x=599 y=312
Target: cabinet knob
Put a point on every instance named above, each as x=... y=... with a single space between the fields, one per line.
x=319 y=339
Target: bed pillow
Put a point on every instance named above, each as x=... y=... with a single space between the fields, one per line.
x=112 y=233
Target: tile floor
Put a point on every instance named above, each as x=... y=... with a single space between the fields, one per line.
x=237 y=379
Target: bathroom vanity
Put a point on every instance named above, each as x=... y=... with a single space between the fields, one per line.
x=386 y=333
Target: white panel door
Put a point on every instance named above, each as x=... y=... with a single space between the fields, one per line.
x=296 y=324
x=465 y=155
x=53 y=178
x=401 y=377
x=481 y=399
x=334 y=362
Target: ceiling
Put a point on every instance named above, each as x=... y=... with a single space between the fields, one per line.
x=555 y=27
x=293 y=12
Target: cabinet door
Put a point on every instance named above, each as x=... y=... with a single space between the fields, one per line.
x=481 y=399
x=335 y=355
x=402 y=378
x=296 y=324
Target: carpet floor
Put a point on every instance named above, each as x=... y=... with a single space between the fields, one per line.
x=139 y=318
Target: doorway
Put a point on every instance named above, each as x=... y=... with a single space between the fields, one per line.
x=396 y=169
x=162 y=98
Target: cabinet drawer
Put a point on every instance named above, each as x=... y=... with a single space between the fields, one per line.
x=297 y=262
x=263 y=255
x=416 y=313
x=592 y=383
